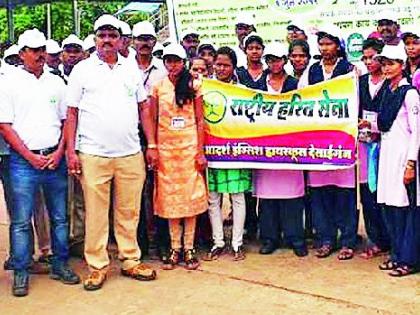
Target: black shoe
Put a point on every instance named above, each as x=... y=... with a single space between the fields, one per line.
x=7 y=264
x=239 y=254
x=301 y=251
x=45 y=259
x=214 y=253
x=268 y=248
x=65 y=274
x=20 y=283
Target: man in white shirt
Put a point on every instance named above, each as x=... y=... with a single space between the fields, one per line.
x=105 y=96
x=72 y=54
x=244 y=25
x=36 y=158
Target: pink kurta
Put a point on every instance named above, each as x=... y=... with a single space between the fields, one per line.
x=278 y=184
x=400 y=144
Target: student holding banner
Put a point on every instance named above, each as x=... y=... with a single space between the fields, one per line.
x=280 y=191
x=333 y=194
x=399 y=122
x=174 y=127
x=371 y=87
x=235 y=182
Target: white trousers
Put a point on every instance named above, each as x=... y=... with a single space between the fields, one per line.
x=216 y=219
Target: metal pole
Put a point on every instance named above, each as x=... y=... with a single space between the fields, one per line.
x=10 y=28
x=49 y=20
x=76 y=20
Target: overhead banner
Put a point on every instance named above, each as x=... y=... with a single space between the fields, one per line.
x=314 y=128
x=215 y=19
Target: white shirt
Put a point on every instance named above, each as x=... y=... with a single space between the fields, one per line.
x=34 y=107
x=107 y=100
x=241 y=57
x=155 y=72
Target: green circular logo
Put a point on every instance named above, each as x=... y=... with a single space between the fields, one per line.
x=214 y=107
x=354 y=46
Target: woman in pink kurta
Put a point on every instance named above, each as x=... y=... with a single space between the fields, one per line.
x=399 y=123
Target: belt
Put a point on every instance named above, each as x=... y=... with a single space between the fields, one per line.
x=45 y=151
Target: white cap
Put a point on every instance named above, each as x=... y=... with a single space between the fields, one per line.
x=175 y=50
x=89 y=42
x=252 y=34
x=189 y=31
x=12 y=50
x=72 y=40
x=331 y=29
x=32 y=39
x=298 y=24
x=125 y=28
x=392 y=52
x=53 y=47
x=245 y=18
x=143 y=28
x=107 y=19
x=158 y=46
x=276 y=49
x=206 y=42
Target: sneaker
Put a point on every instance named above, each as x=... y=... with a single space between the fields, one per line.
x=140 y=272
x=20 y=283
x=239 y=254
x=214 y=253
x=95 y=280
x=64 y=273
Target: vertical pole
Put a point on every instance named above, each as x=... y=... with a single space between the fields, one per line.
x=49 y=33
x=10 y=27
x=76 y=19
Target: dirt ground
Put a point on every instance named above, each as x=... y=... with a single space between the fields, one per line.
x=277 y=284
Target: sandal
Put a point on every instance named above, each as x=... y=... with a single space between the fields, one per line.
x=324 y=251
x=95 y=280
x=172 y=260
x=388 y=265
x=345 y=254
x=402 y=271
x=191 y=261
x=372 y=252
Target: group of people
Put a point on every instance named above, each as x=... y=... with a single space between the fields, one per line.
x=107 y=137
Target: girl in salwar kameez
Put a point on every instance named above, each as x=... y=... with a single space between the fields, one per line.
x=398 y=121
x=174 y=129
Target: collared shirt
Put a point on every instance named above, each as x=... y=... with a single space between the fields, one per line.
x=107 y=100
x=155 y=72
x=34 y=107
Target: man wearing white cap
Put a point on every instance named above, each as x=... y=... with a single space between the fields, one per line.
x=152 y=70
x=244 y=25
x=89 y=45
x=126 y=40
x=36 y=159
x=190 y=39
x=72 y=54
x=11 y=59
x=389 y=31
x=105 y=95
x=53 y=55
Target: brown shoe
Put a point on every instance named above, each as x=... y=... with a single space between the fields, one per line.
x=172 y=260
x=191 y=260
x=140 y=272
x=39 y=268
x=94 y=281
x=239 y=254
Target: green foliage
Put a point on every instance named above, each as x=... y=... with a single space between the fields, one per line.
x=62 y=17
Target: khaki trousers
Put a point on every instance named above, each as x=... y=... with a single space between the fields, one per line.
x=127 y=174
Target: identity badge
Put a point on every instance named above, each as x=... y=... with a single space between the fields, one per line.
x=178 y=122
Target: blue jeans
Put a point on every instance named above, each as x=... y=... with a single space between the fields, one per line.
x=284 y=215
x=334 y=209
x=25 y=184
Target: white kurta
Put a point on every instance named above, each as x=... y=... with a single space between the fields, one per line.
x=400 y=144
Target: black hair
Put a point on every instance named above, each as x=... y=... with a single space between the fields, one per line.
x=341 y=47
x=206 y=46
x=227 y=51
x=254 y=38
x=194 y=59
x=184 y=91
x=373 y=43
x=300 y=43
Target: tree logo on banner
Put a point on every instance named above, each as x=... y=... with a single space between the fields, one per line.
x=214 y=107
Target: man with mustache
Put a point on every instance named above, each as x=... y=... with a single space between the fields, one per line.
x=153 y=230
x=72 y=54
x=190 y=39
x=36 y=158
x=105 y=98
